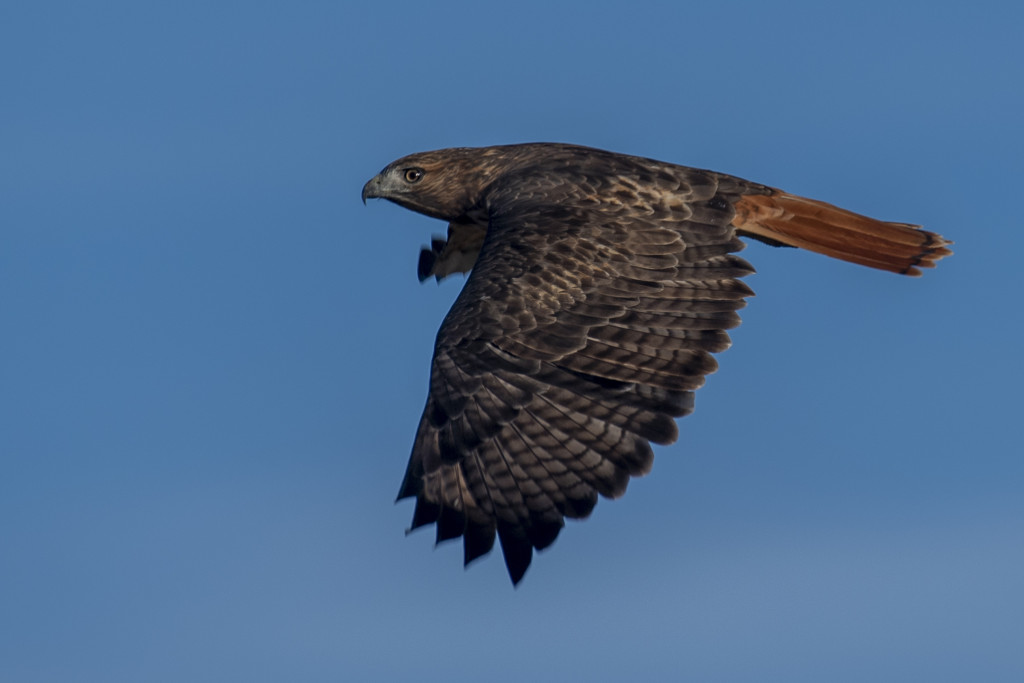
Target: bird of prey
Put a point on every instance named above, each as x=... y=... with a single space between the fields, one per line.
x=600 y=286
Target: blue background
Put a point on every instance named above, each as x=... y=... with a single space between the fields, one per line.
x=213 y=357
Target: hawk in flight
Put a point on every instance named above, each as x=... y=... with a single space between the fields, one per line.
x=601 y=286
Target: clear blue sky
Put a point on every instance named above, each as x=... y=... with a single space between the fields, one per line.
x=213 y=357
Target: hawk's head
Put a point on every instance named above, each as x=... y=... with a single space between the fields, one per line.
x=445 y=184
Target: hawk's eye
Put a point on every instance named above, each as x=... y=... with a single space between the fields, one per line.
x=413 y=175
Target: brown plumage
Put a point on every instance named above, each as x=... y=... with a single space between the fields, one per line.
x=601 y=284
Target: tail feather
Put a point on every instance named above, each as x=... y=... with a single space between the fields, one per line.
x=782 y=218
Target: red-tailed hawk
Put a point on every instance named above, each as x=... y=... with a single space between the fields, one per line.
x=601 y=284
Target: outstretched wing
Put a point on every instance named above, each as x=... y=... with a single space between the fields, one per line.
x=588 y=321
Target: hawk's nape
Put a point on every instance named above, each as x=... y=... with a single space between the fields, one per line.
x=601 y=285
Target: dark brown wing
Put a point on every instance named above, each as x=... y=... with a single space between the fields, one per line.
x=588 y=321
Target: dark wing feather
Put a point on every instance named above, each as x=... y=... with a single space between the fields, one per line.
x=588 y=321
x=453 y=255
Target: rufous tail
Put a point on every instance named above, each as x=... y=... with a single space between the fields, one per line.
x=783 y=218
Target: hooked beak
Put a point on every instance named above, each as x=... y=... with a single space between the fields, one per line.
x=373 y=189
